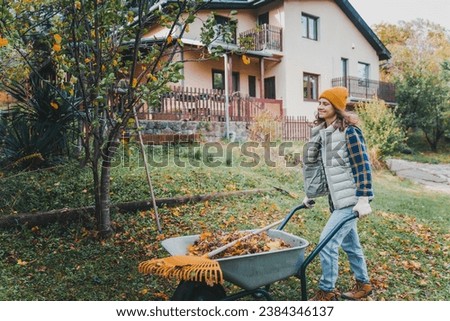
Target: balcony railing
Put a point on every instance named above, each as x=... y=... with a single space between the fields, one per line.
x=200 y=104
x=263 y=37
x=366 y=89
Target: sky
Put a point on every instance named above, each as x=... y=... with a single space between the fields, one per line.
x=392 y=11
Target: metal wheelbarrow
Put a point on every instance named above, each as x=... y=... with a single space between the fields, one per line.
x=254 y=273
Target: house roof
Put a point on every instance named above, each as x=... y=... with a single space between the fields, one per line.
x=382 y=52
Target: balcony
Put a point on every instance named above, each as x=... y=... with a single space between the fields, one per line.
x=361 y=89
x=263 y=37
x=201 y=104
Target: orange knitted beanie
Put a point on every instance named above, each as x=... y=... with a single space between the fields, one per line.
x=337 y=96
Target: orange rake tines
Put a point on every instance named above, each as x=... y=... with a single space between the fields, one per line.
x=185 y=268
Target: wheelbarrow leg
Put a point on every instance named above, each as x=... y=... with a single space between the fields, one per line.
x=257 y=293
x=315 y=252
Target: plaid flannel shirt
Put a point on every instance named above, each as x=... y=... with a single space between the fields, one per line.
x=359 y=161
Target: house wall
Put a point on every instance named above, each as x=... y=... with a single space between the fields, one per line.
x=197 y=72
x=247 y=21
x=338 y=38
x=203 y=71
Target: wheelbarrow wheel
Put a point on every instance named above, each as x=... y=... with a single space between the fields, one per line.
x=198 y=291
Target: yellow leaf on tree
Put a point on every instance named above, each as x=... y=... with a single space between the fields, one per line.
x=78 y=5
x=134 y=84
x=54 y=105
x=22 y=263
x=169 y=39
x=245 y=60
x=3 y=42
x=56 y=47
x=152 y=77
x=57 y=38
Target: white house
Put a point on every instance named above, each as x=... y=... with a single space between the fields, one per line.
x=300 y=47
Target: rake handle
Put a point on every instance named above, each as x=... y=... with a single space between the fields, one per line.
x=228 y=245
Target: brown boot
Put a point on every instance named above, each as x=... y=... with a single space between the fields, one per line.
x=322 y=295
x=359 y=291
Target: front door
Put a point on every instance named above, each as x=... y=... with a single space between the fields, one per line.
x=269 y=88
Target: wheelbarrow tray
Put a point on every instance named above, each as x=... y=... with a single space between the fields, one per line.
x=252 y=271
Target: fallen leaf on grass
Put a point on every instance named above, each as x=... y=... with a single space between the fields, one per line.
x=143 y=291
x=162 y=296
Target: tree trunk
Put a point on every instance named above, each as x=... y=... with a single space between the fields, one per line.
x=104 y=219
x=432 y=141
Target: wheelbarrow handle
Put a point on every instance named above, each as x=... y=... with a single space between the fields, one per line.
x=289 y=216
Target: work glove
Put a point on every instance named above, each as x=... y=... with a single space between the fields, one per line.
x=308 y=202
x=362 y=207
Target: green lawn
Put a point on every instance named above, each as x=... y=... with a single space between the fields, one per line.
x=406 y=239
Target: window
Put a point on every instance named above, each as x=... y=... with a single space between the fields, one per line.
x=344 y=66
x=310 y=86
x=309 y=27
x=218 y=79
x=363 y=74
x=269 y=88
x=344 y=63
x=263 y=19
x=235 y=82
x=252 y=86
x=219 y=29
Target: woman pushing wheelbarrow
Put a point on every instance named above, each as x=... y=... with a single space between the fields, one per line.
x=336 y=164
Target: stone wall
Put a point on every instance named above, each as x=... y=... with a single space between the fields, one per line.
x=207 y=131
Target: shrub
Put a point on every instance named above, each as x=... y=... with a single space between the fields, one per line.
x=43 y=128
x=382 y=129
x=264 y=128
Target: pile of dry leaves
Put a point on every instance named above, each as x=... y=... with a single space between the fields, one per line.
x=208 y=242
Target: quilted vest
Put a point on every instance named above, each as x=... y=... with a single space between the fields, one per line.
x=327 y=168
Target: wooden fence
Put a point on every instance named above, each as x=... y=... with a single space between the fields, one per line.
x=199 y=104
x=295 y=128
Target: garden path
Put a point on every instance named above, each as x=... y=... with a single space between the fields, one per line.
x=432 y=176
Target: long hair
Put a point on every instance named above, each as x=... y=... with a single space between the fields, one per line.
x=343 y=120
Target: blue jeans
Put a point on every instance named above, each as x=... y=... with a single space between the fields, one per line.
x=347 y=237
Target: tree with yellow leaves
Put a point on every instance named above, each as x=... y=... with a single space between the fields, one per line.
x=95 y=51
x=420 y=53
